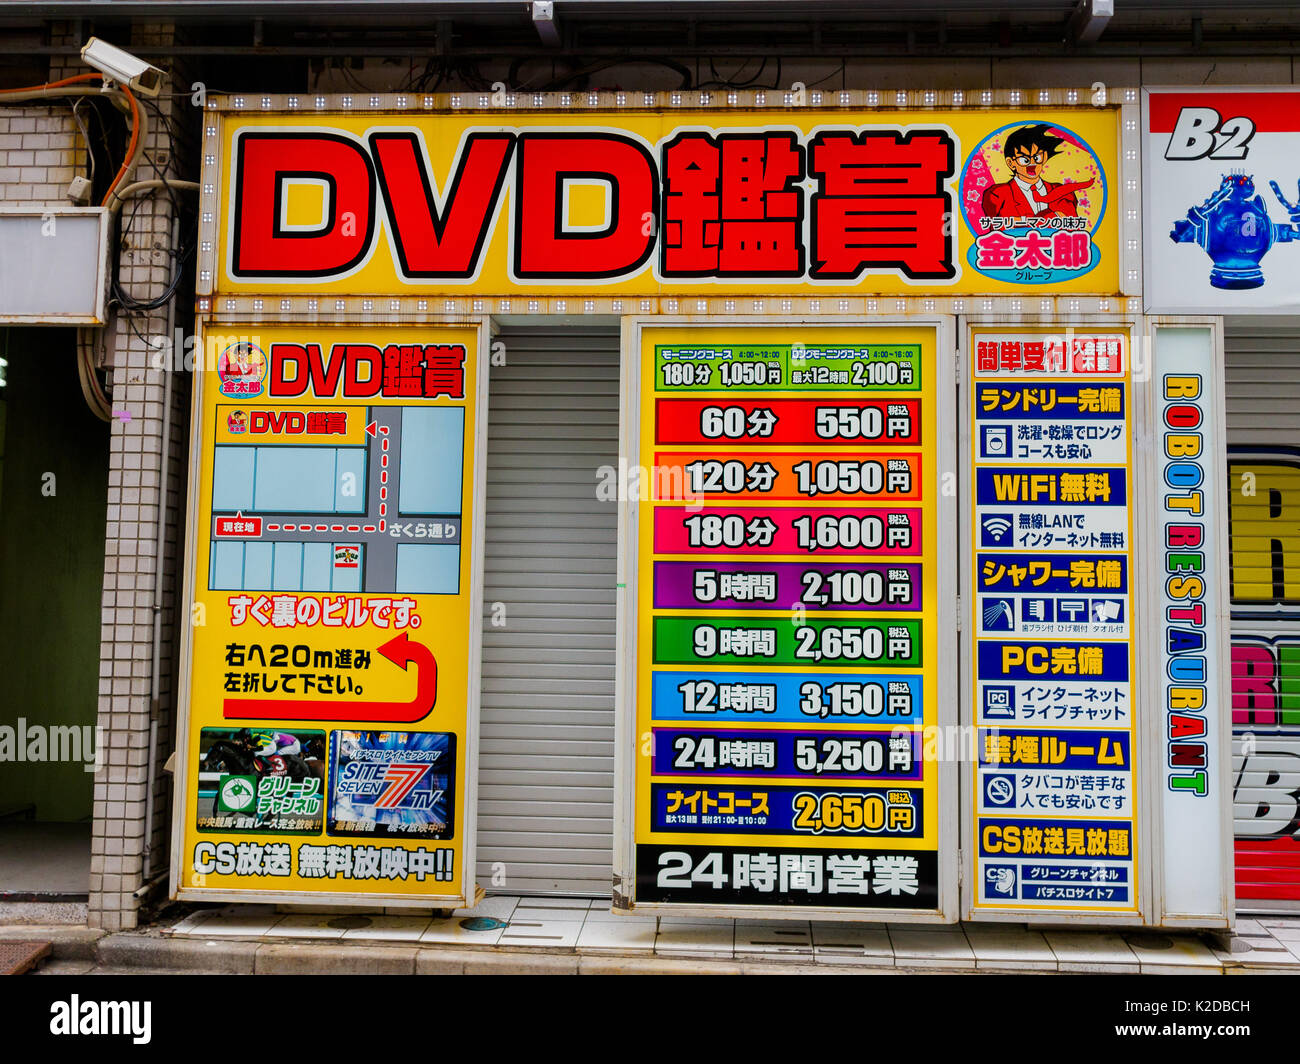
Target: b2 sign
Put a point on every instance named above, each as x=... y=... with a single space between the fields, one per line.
x=1221 y=199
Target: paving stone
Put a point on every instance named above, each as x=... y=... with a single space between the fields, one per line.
x=852 y=944
x=1091 y=951
x=759 y=938
x=1010 y=947
x=627 y=934
x=715 y=938
x=530 y=930
x=928 y=949
x=235 y=921
x=1184 y=955
x=389 y=929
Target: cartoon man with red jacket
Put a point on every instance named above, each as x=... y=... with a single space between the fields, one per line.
x=1028 y=194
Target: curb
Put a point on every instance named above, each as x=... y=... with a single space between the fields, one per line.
x=127 y=950
x=329 y=957
x=434 y=961
x=69 y=941
x=138 y=949
x=276 y=958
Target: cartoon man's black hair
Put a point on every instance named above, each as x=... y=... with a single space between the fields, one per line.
x=1025 y=138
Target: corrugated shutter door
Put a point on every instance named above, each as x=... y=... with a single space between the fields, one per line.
x=1263 y=385
x=1263 y=417
x=546 y=749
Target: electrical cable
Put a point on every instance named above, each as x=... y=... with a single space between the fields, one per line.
x=139 y=128
x=79 y=85
x=85 y=136
x=94 y=395
x=180 y=255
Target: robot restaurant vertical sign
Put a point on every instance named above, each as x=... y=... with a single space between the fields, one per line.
x=1221 y=201
x=1191 y=505
x=1055 y=798
x=1187 y=539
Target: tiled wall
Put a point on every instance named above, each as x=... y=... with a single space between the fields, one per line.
x=125 y=853
x=41 y=151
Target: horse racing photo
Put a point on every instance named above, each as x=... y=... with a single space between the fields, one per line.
x=261 y=779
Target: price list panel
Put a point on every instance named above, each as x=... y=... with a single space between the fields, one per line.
x=786 y=619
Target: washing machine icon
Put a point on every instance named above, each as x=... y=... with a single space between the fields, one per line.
x=995 y=441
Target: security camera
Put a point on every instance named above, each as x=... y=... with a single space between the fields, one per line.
x=122 y=66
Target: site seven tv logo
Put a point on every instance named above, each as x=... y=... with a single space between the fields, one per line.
x=386 y=786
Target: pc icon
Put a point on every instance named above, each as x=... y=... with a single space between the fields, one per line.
x=999 y=703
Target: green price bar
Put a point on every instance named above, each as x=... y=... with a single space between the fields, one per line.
x=782 y=641
x=750 y=368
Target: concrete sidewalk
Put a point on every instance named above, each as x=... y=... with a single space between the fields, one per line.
x=568 y=936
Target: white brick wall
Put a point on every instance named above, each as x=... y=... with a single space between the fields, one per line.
x=41 y=150
x=137 y=501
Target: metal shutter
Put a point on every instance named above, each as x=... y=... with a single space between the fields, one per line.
x=1263 y=415
x=546 y=748
x=1263 y=384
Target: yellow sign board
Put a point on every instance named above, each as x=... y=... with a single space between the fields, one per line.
x=647 y=203
x=788 y=615
x=329 y=727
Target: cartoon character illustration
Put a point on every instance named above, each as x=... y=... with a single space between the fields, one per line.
x=241 y=368
x=1028 y=194
x=1234 y=228
x=236 y=422
x=240 y=360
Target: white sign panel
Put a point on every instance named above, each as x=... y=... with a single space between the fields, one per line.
x=1221 y=200
x=1192 y=692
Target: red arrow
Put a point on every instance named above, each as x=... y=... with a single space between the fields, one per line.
x=371 y=427
x=399 y=650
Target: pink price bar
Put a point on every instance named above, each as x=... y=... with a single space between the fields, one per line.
x=894 y=531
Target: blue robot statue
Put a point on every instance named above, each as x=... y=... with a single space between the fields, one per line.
x=1235 y=230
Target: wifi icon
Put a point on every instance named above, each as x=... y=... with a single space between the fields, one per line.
x=997 y=530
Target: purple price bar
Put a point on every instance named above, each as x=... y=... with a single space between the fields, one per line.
x=764 y=585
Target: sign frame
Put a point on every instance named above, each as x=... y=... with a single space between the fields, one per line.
x=466 y=816
x=1144 y=805
x=627 y=740
x=693 y=111
x=86 y=221
x=1153 y=158
x=1218 y=631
